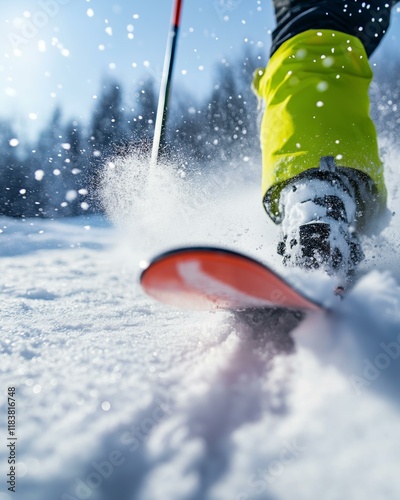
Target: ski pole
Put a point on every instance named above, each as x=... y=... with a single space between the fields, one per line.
x=165 y=88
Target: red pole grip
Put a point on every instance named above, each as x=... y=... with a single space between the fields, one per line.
x=177 y=13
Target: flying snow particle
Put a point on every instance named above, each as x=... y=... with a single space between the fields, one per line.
x=32 y=116
x=83 y=191
x=56 y=172
x=22 y=471
x=322 y=86
x=39 y=174
x=90 y=12
x=71 y=195
x=13 y=142
x=42 y=46
x=66 y=145
x=101 y=47
x=328 y=62
x=319 y=104
x=105 y=405
x=109 y=31
x=301 y=54
x=84 y=205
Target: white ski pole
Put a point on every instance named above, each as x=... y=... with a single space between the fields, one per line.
x=165 y=88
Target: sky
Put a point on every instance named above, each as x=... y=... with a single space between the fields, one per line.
x=56 y=52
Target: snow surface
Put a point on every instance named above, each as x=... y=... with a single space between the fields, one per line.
x=121 y=398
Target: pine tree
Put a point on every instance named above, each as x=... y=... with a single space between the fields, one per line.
x=11 y=172
x=74 y=171
x=108 y=128
x=230 y=116
x=143 y=117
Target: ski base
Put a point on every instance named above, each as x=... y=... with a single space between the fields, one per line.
x=209 y=278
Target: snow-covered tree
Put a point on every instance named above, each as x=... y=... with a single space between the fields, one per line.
x=12 y=172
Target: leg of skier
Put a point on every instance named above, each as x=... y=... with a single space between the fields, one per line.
x=322 y=175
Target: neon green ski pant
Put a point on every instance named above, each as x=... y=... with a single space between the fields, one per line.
x=315 y=89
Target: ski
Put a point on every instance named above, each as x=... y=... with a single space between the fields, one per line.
x=209 y=278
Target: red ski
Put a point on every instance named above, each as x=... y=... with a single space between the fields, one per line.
x=209 y=278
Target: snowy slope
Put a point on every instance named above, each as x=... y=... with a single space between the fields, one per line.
x=120 y=398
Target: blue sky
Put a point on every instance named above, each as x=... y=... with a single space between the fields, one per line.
x=57 y=51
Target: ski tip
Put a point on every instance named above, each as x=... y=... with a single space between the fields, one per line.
x=215 y=278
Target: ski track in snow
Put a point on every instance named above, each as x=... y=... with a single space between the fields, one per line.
x=122 y=398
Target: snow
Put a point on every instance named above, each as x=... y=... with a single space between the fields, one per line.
x=119 y=397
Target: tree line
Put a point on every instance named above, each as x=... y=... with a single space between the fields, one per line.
x=58 y=174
